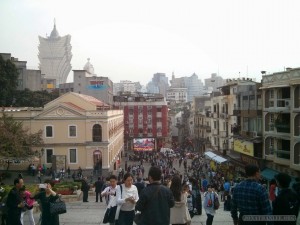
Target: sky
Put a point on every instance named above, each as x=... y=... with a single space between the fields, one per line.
x=133 y=39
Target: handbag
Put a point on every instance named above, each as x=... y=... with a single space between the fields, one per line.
x=216 y=202
x=137 y=217
x=109 y=216
x=58 y=207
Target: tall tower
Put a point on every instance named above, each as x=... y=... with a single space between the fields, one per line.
x=55 y=56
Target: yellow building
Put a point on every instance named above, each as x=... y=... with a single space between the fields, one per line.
x=79 y=127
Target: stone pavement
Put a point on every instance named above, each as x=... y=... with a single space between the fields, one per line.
x=91 y=213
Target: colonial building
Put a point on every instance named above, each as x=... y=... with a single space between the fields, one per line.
x=281 y=113
x=145 y=116
x=79 y=127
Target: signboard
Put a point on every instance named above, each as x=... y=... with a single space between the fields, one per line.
x=143 y=144
x=244 y=147
x=97 y=85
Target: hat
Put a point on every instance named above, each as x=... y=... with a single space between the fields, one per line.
x=283 y=179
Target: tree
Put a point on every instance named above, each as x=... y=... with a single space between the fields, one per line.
x=8 y=81
x=15 y=141
x=27 y=98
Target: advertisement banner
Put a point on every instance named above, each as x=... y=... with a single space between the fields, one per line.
x=143 y=144
x=244 y=147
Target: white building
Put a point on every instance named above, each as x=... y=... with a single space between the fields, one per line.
x=55 y=56
x=177 y=95
x=126 y=86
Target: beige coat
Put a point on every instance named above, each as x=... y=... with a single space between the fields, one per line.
x=179 y=213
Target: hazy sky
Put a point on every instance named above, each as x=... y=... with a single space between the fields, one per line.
x=133 y=39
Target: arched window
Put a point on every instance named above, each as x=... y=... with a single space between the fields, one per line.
x=97 y=133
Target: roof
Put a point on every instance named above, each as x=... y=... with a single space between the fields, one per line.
x=92 y=100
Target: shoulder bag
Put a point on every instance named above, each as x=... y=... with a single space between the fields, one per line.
x=216 y=202
x=58 y=206
x=109 y=216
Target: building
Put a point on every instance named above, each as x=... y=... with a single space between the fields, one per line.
x=127 y=86
x=194 y=87
x=81 y=129
x=28 y=78
x=159 y=84
x=176 y=95
x=243 y=108
x=281 y=116
x=88 y=83
x=213 y=82
x=55 y=56
x=145 y=117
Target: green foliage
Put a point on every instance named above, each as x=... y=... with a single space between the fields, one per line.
x=27 y=98
x=8 y=81
x=16 y=141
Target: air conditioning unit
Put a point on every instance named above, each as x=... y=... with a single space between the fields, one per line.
x=254 y=134
x=287 y=103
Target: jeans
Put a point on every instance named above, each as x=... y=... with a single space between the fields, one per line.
x=126 y=217
x=30 y=215
x=209 y=219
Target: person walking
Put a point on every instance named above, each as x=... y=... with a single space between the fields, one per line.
x=15 y=203
x=140 y=185
x=110 y=194
x=85 y=187
x=127 y=196
x=98 y=188
x=28 y=209
x=155 y=201
x=45 y=198
x=287 y=202
x=250 y=198
x=179 y=214
x=208 y=204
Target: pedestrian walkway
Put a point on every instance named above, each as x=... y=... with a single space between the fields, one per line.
x=91 y=213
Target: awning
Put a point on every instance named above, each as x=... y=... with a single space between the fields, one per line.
x=219 y=159
x=214 y=157
x=275 y=86
x=210 y=154
x=268 y=173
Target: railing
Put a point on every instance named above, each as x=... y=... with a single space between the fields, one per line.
x=282 y=127
x=283 y=154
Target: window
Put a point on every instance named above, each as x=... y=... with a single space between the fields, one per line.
x=271 y=93
x=72 y=131
x=97 y=133
x=158 y=109
x=49 y=131
x=245 y=124
x=73 y=155
x=49 y=154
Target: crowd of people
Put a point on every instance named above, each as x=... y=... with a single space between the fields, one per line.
x=169 y=195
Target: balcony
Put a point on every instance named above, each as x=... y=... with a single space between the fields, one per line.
x=159 y=134
x=283 y=154
x=208 y=129
x=282 y=127
x=223 y=134
x=215 y=132
x=236 y=112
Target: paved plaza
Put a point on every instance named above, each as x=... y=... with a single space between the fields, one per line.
x=79 y=213
x=90 y=213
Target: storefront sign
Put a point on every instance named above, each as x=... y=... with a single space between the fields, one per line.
x=244 y=147
x=248 y=160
